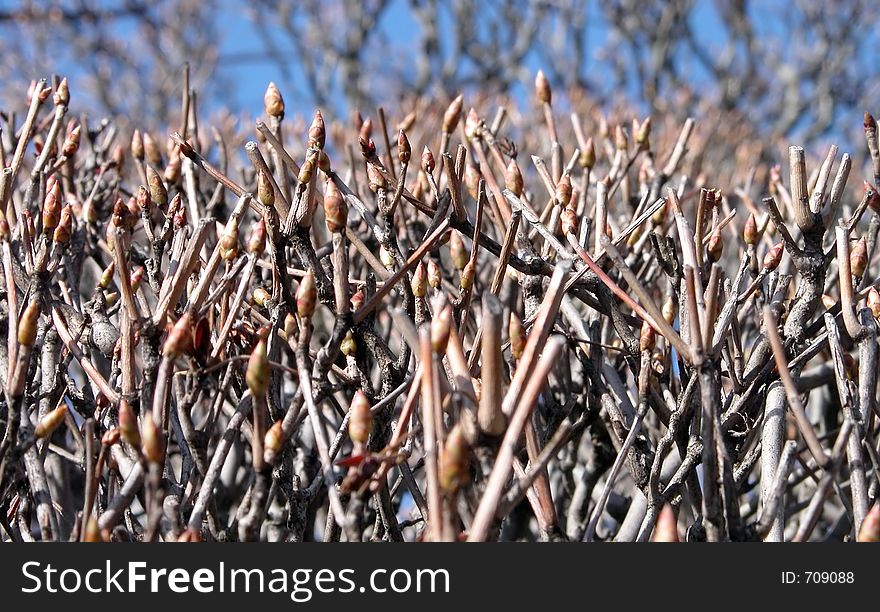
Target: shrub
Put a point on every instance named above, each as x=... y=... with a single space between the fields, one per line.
x=452 y=328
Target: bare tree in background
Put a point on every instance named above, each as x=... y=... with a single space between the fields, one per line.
x=111 y=48
x=801 y=65
x=798 y=67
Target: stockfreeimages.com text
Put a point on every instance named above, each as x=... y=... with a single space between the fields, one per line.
x=301 y=584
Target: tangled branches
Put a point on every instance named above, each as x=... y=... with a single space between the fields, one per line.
x=363 y=344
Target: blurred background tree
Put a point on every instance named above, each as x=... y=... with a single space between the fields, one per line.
x=796 y=69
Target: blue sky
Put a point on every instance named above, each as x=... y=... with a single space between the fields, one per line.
x=245 y=69
x=240 y=45
x=242 y=61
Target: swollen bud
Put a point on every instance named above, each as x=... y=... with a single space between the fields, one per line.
x=158 y=193
x=335 y=208
x=111 y=297
x=273 y=102
x=620 y=140
x=137 y=278
x=306 y=296
x=647 y=337
x=659 y=215
x=179 y=338
x=419 y=282
x=291 y=327
x=874 y=302
x=348 y=346
x=144 y=201
x=360 y=423
x=107 y=275
x=137 y=145
x=65 y=226
x=870 y=529
x=773 y=257
x=27 y=325
x=257 y=241
x=368 y=147
x=587 y=157
x=858 y=258
x=472 y=180
x=323 y=162
x=542 y=88
x=265 y=190
x=71 y=142
x=404 y=150
x=563 y=190
x=457 y=251
x=513 y=178
x=365 y=127
x=121 y=216
x=357 y=299
x=870 y=124
x=37 y=89
x=517 y=336
x=128 y=425
x=152 y=441
x=92 y=532
x=189 y=535
x=179 y=216
x=317 y=132
x=257 y=375
x=228 y=244
x=569 y=221
x=434 y=275
x=668 y=310
x=50 y=422
x=666 y=528
x=273 y=442
x=111 y=437
x=308 y=168
x=453 y=114
x=151 y=150
x=643 y=134
x=407 y=122
x=473 y=125
x=466 y=280
x=52 y=207
x=261 y=297
x=872 y=196
x=428 y=163
x=172 y=170
x=454 y=461
x=376 y=178
x=715 y=246
x=440 y=326
x=61 y=97
x=386 y=257
x=750 y=231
